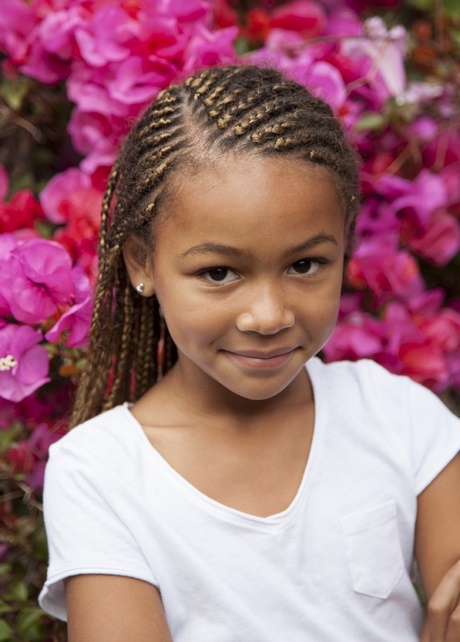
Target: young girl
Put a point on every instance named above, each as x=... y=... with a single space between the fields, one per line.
x=250 y=493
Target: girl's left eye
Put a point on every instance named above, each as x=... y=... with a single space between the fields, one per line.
x=305 y=266
x=219 y=275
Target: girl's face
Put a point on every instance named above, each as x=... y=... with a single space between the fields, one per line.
x=247 y=268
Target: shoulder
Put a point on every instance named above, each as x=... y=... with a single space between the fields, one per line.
x=364 y=374
x=104 y=439
x=397 y=398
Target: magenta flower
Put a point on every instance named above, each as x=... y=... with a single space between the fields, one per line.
x=325 y=81
x=441 y=240
x=385 y=49
x=385 y=270
x=304 y=16
x=35 y=278
x=17 y=21
x=24 y=364
x=107 y=37
x=70 y=192
x=355 y=337
x=419 y=197
x=206 y=48
x=77 y=319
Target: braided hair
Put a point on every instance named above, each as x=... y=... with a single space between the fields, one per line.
x=221 y=110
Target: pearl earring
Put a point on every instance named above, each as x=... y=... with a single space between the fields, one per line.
x=140 y=287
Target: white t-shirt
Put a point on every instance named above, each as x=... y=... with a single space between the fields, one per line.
x=335 y=565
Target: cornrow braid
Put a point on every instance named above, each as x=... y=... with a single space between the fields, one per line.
x=238 y=109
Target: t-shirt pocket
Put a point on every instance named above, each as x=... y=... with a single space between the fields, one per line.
x=373 y=549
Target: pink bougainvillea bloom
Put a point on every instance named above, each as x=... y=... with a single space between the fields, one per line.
x=70 y=194
x=377 y=220
x=385 y=270
x=20 y=212
x=8 y=243
x=443 y=329
x=17 y=21
x=419 y=353
x=305 y=16
x=45 y=67
x=24 y=364
x=343 y=23
x=450 y=176
x=385 y=49
x=357 y=336
x=441 y=241
x=53 y=46
x=420 y=197
x=190 y=11
x=137 y=80
x=206 y=48
x=106 y=37
x=425 y=364
x=38 y=278
x=325 y=81
x=77 y=319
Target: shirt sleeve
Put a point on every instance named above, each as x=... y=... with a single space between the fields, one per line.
x=86 y=534
x=435 y=432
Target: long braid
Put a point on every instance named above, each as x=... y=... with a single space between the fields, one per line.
x=218 y=111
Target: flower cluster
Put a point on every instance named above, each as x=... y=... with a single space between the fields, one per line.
x=115 y=55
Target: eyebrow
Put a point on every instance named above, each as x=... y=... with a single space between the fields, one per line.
x=229 y=250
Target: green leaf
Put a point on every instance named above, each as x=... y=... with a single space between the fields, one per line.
x=8 y=436
x=28 y=619
x=452 y=8
x=5 y=632
x=17 y=593
x=45 y=229
x=370 y=121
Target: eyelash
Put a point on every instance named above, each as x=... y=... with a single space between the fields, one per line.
x=204 y=274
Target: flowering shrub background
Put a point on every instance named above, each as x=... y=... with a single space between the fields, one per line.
x=75 y=76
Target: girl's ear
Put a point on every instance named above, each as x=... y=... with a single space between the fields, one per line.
x=138 y=265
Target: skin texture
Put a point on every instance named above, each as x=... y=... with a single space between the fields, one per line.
x=247 y=267
x=437 y=550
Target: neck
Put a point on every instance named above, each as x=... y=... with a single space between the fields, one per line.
x=204 y=396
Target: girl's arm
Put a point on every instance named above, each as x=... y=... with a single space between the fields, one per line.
x=437 y=550
x=111 y=608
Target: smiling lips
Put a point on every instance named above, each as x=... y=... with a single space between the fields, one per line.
x=260 y=360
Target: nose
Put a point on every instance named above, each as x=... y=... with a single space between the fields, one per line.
x=267 y=312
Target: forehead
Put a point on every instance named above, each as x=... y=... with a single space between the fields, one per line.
x=250 y=198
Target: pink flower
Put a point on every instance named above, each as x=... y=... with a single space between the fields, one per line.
x=23 y=363
x=441 y=240
x=20 y=213
x=343 y=23
x=35 y=278
x=206 y=48
x=17 y=22
x=304 y=16
x=325 y=81
x=385 y=49
x=443 y=329
x=106 y=37
x=70 y=192
x=386 y=271
x=137 y=80
x=355 y=337
x=419 y=197
x=77 y=319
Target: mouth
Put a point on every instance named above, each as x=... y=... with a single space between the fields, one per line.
x=260 y=359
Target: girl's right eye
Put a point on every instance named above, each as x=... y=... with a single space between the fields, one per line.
x=219 y=275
